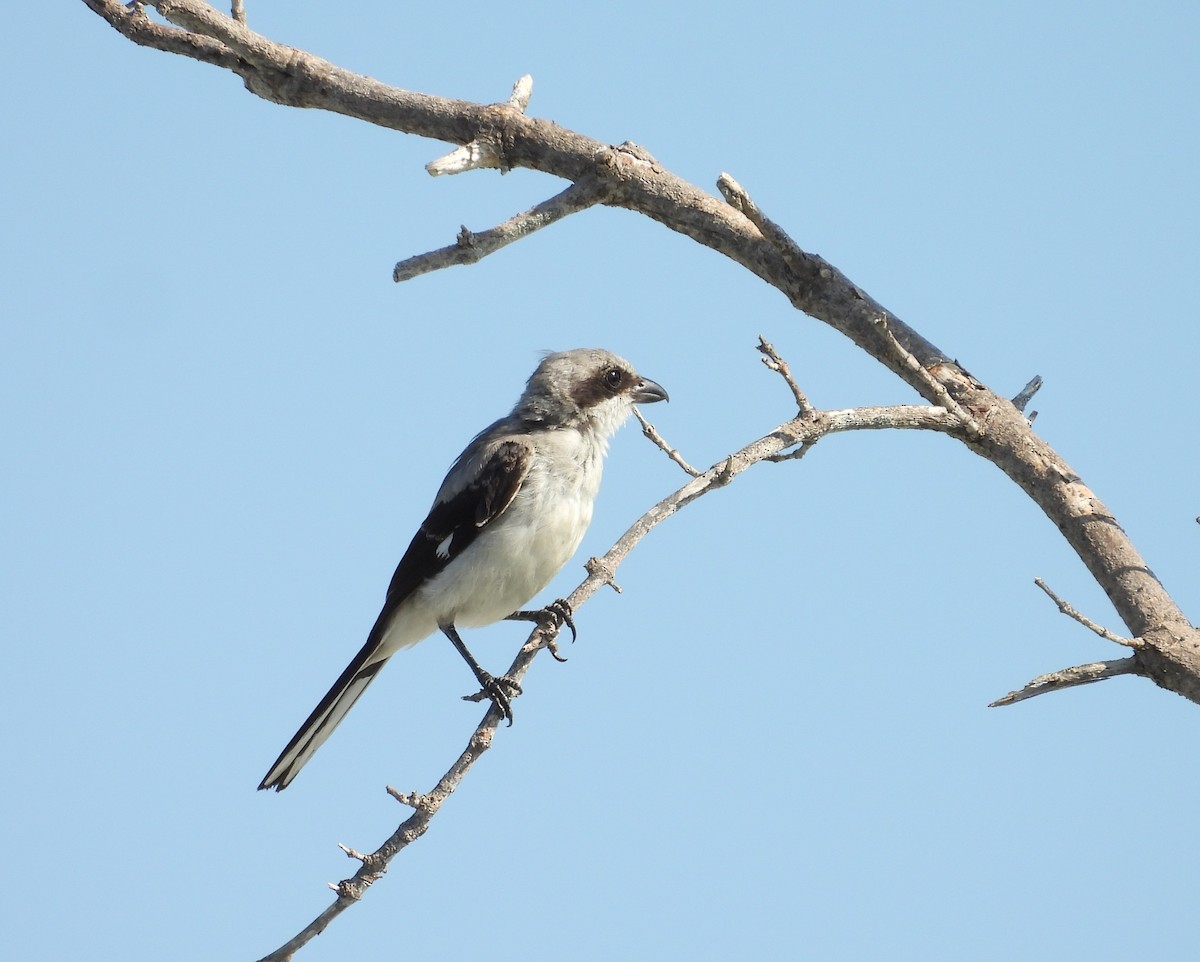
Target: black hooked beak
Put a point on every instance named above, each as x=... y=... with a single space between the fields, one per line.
x=648 y=391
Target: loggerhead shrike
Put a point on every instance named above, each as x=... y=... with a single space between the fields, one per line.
x=509 y=515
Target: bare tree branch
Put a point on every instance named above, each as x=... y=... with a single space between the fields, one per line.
x=1080 y=674
x=471 y=247
x=1070 y=678
x=627 y=176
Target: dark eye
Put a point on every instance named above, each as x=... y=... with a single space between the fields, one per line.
x=613 y=378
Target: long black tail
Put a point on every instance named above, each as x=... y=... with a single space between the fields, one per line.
x=324 y=718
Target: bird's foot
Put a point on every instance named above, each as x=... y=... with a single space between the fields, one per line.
x=557 y=613
x=500 y=691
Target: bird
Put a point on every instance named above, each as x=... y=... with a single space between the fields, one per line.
x=510 y=513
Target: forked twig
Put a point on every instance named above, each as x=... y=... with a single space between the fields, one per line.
x=1079 y=674
x=652 y=434
x=777 y=364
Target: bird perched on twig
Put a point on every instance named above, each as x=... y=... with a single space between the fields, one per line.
x=509 y=515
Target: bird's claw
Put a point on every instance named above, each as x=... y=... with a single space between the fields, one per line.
x=493 y=688
x=557 y=613
x=560 y=612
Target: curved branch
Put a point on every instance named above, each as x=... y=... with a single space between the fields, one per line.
x=1070 y=678
x=806 y=429
x=989 y=424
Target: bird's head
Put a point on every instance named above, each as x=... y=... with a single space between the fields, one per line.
x=587 y=386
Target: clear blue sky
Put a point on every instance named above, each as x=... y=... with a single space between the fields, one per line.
x=222 y=422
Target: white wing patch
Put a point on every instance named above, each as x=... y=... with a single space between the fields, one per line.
x=443 y=549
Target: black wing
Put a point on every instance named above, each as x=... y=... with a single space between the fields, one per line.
x=455 y=522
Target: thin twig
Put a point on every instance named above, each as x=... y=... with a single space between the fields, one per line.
x=351 y=853
x=651 y=432
x=1087 y=622
x=471 y=247
x=777 y=364
x=1070 y=678
x=238 y=11
x=936 y=387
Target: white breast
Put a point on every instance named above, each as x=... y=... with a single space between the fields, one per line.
x=518 y=554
